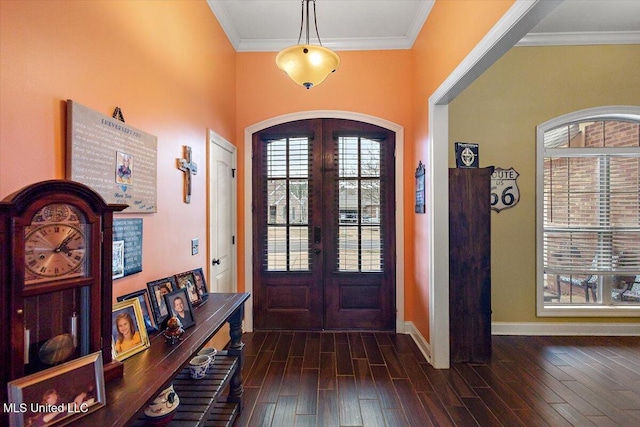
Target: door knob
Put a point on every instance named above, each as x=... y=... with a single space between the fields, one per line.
x=215 y=261
x=317 y=251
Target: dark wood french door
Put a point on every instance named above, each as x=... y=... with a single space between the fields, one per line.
x=324 y=226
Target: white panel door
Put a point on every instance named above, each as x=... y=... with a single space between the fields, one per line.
x=222 y=208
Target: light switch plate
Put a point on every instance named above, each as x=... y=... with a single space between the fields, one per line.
x=195 y=245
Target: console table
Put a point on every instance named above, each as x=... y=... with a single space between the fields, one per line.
x=149 y=372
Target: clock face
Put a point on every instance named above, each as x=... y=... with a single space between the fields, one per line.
x=56 y=245
x=55 y=250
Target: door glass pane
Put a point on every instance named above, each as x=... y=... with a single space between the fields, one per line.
x=348 y=156
x=299 y=249
x=276 y=192
x=371 y=253
x=348 y=249
x=348 y=201
x=370 y=207
x=276 y=248
x=370 y=158
x=299 y=157
x=299 y=202
x=277 y=159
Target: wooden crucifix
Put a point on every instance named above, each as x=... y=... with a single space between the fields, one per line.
x=189 y=168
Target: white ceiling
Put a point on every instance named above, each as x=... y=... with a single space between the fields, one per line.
x=271 y=25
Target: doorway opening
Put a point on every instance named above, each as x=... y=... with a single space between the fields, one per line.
x=324 y=226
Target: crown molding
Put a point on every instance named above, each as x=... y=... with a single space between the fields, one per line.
x=383 y=43
x=577 y=39
x=365 y=43
x=225 y=22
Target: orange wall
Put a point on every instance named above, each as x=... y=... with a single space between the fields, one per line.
x=452 y=30
x=167 y=65
x=171 y=69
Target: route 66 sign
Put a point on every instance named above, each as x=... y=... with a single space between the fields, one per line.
x=504 y=189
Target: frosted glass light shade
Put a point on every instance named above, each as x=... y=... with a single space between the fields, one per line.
x=308 y=65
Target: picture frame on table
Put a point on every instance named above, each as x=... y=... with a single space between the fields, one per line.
x=187 y=280
x=201 y=284
x=128 y=332
x=180 y=306
x=58 y=395
x=142 y=296
x=157 y=290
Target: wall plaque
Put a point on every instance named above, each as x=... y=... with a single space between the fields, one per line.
x=467 y=155
x=116 y=160
x=127 y=246
x=504 y=189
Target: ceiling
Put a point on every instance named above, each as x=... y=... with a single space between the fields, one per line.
x=271 y=25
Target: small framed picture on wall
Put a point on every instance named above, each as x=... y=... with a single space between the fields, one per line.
x=420 y=200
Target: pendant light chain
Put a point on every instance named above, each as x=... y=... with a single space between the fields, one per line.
x=304 y=23
x=315 y=22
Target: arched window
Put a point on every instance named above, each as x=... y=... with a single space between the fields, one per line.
x=588 y=213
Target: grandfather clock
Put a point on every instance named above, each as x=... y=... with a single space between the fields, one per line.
x=55 y=278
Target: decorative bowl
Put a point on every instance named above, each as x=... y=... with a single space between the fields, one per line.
x=163 y=408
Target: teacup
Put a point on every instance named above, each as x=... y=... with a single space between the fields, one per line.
x=198 y=366
x=208 y=351
x=211 y=353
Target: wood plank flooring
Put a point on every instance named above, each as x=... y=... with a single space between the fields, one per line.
x=329 y=379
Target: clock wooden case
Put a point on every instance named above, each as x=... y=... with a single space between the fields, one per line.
x=56 y=277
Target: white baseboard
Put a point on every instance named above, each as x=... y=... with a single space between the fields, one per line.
x=538 y=328
x=546 y=328
x=422 y=343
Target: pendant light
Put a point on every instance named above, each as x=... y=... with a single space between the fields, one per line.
x=307 y=64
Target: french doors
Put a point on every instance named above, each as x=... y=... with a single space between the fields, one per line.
x=324 y=224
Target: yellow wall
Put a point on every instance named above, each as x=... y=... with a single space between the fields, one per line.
x=500 y=111
x=170 y=68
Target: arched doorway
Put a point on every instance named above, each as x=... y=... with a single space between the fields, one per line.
x=323 y=226
x=399 y=182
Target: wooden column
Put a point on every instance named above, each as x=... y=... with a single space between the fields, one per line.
x=470 y=264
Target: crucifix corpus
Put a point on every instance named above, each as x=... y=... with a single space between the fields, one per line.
x=189 y=168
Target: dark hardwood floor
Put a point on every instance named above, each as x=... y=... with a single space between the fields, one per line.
x=381 y=379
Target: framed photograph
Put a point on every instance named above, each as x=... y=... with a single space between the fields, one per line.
x=143 y=296
x=118 y=259
x=157 y=290
x=128 y=333
x=57 y=395
x=201 y=284
x=187 y=281
x=181 y=308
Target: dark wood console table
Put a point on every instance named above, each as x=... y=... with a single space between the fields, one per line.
x=151 y=371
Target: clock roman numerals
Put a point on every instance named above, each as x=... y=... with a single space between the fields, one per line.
x=55 y=251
